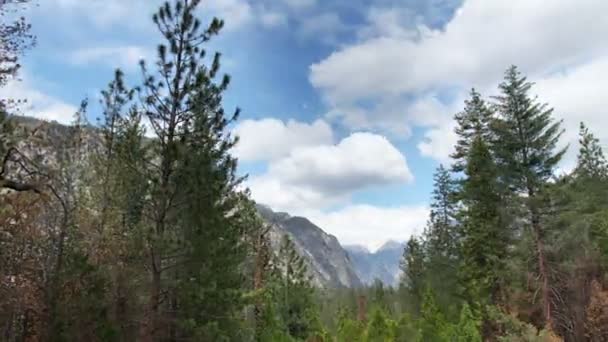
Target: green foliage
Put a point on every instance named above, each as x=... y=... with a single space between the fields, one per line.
x=433 y=326
x=468 y=327
x=472 y=123
x=591 y=161
x=379 y=328
x=526 y=136
x=413 y=277
x=442 y=239
x=486 y=237
x=349 y=329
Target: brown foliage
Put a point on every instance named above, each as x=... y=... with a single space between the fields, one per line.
x=596 y=324
x=22 y=266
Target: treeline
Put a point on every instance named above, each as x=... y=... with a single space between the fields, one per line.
x=108 y=234
x=510 y=243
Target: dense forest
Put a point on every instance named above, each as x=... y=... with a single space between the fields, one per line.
x=107 y=234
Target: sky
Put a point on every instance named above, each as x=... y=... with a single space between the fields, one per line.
x=347 y=105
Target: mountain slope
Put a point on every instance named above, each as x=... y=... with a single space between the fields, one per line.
x=328 y=262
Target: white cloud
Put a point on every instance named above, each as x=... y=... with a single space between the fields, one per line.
x=438 y=142
x=371 y=225
x=272 y=19
x=269 y=139
x=578 y=95
x=235 y=13
x=324 y=27
x=555 y=43
x=136 y=14
x=126 y=57
x=388 y=21
x=476 y=46
x=38 y=104
x=325 y=175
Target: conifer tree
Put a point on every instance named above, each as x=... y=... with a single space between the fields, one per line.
x=486 y=237
x=412 y=276
x=526 y=151
x=433 y=326
x=474 y=121
x=294 y=291
x=193 y=213
x=591 y=162
x=442 y=239
x=467 y=328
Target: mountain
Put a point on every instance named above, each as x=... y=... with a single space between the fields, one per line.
x=328 y=262
x=382 y=264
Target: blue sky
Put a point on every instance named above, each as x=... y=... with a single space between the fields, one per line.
x=347 y=104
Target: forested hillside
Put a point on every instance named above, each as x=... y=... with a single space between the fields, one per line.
x=138 y=228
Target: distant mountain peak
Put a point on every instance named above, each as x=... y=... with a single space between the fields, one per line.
x=390 y=245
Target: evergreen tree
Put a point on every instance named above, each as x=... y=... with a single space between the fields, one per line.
x=349 y=329
x=379 y=328
x=193 y=217
x=442 y=239
x=294 y=292
x=441 y=236
x=591 y=161
x=486 y=238
x=467 y=328
x=473 y=122
x=525 y=147
x=412 y=276
x=432 y=323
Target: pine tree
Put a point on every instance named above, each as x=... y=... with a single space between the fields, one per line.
x=525 y=147
x=473 y=122
x=378 y=328
x=193 y=216
x=294 y=291
x=486 y=238
x=467 y=328
x=412 y=268
x=591 y=161
x=442 y=239
x=433 y=326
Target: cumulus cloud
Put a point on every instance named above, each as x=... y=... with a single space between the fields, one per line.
x=269 y=139
x=326 y=175
x=272 y=19
x=324 y=27
x=476 y=46
x=372 y=225
x=127 y=57
x=38 y=104
x=106 y=14
x=483 y=38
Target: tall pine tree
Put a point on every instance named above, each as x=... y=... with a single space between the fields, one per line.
x=486 y=237
x=526 y=150
x=442 y=239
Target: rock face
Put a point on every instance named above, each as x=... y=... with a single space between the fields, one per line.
x=328 y=262
x=382 y=264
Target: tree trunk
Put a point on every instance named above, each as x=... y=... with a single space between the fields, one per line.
x=543 y=273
